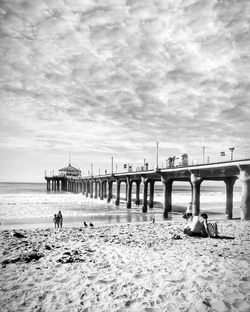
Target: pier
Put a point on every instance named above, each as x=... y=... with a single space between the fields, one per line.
x=101 y=186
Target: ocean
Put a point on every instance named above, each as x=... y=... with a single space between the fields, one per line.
x=30 y=205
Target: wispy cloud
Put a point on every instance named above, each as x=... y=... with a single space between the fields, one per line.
x=112 y=77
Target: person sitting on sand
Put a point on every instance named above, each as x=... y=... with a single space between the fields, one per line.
x=188 y=211
x=198 y=226
x=56 y=220
x=60 y=217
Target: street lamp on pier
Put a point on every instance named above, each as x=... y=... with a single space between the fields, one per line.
x=203 y=154
x=157 y=156
x=112 y=159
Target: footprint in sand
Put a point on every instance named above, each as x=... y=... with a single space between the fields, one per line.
x=106 y=281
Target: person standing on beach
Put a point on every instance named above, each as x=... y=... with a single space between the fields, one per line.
x=56 y=220
x=60 y=218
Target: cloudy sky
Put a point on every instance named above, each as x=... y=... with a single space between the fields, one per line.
x=102 y=78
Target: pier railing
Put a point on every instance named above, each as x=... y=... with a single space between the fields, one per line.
x=223 y=157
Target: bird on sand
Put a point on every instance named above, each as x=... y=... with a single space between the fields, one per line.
x=85 y=224
x=91 y=225
x=17 y=234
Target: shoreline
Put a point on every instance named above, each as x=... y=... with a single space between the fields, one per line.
x=126 y=267
x=114 y=215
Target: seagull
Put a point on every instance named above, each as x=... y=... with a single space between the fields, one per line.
x=91 y=225
x=85 y=224
x=17 y=234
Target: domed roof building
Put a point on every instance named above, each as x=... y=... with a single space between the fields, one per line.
x=70 y=172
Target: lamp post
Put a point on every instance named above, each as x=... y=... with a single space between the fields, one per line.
x=91 y=172
x=203 y=154
x=112 y=165
x=157 y=160
x=231 y=149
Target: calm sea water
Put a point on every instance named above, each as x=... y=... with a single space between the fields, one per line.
x=25 y=205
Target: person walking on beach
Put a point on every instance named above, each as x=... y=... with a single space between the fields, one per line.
x=56 y=220
x=60 y=219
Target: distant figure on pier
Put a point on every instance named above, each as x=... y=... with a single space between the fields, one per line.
x=56 y=220
x=85 y=224
x=171 y=161
x=60 y=217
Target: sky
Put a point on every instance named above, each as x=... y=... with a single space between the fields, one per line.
x=109 y=78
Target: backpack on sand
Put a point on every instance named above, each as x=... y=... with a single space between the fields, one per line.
x=213 y=229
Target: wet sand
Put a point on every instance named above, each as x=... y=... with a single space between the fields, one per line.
x=126 y=267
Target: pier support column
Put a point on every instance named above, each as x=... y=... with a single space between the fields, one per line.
x=151 y=194
x=91 y=189
x=57 y=185
x=80 y=186
x=245 y=194
x=126 y=192
x=101 y=190
x=137 y=200
x=95 y=195
x=196 y=182
x=129 y=192
x=229 y=196
x=48 y=185
x=87 y=189
x=105 y=189
x=118 y=188
x=110 y=188
x=145 y=195
x=167 y=196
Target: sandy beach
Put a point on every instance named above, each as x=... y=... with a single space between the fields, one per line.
x=130 y=267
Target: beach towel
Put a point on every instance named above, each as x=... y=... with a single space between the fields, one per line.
x=212 y=229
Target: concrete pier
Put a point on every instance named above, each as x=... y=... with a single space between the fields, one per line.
x=228 y=172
